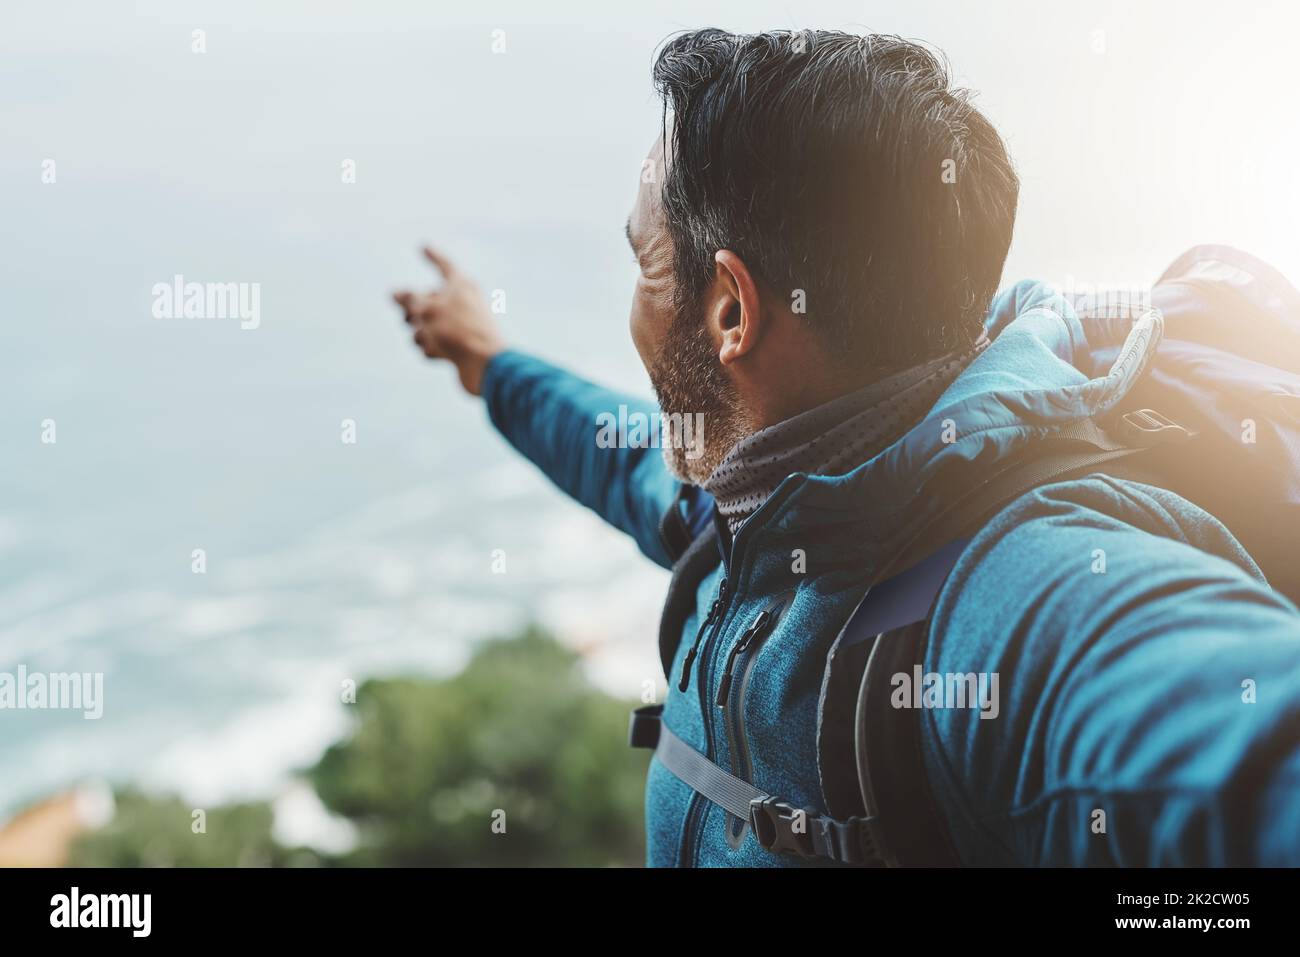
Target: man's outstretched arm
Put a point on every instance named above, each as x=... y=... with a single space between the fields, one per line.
x=548 y=414
x=1148 y=703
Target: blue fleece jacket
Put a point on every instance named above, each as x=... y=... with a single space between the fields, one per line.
x=1123 y=622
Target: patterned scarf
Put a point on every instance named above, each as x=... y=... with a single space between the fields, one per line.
x=832 y=438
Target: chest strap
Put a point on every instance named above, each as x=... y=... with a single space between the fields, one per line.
x=779 y=826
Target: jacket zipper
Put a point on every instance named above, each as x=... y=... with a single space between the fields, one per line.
x=685 y=681
x=695 y=806
x=756 y=630
x=731 y=698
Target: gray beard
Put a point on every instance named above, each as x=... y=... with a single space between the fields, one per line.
x=719 y=435
x=688 y=380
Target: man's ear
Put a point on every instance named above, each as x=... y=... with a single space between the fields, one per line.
x=735 y=311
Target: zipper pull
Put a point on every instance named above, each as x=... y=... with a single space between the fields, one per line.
x=685 y=681
x=745 y=640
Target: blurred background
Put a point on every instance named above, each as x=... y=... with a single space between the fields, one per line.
x=495 y=633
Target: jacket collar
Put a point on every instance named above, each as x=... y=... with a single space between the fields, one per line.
x=1034 y=378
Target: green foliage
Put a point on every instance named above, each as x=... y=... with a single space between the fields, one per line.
x=426 y=772
x=158 y=832
x=518 y=731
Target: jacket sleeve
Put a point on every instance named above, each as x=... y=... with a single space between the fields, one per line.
x=561 y=423
x=1149 y=679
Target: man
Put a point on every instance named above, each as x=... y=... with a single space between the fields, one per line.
x=819 y=246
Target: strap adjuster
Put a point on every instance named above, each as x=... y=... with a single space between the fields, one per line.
x=852 y=841
x=643 y=726
x=1149 y=427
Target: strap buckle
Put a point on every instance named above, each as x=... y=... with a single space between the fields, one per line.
x=781 y=827
x=1149 y=427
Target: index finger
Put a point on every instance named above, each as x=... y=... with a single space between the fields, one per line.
x=441 y=262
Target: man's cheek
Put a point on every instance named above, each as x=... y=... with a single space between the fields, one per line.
x=639 y=326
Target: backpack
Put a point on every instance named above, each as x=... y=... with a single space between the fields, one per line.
x=1215 y=418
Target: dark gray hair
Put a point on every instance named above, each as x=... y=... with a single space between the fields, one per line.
x=846 y=167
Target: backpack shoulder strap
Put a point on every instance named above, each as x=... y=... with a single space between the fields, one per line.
x=689 y=515
x=691 y=537
x=888 y=757
x=897 y=609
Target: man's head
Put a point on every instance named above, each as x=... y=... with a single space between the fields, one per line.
x=822 y=209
